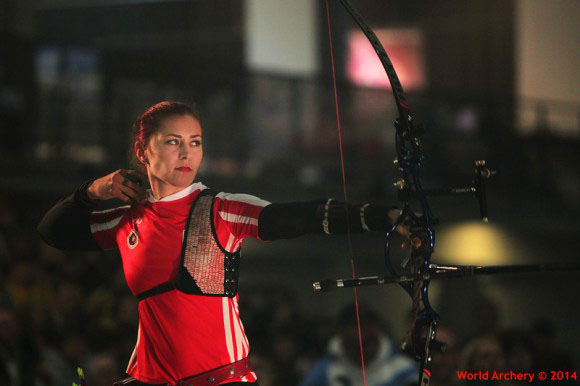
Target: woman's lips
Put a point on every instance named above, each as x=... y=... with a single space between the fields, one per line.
x=183 y=169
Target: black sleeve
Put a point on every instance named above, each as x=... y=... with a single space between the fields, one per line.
x=290 y=220
x=66 y=225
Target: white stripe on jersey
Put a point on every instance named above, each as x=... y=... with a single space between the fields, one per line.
x=238 y=332
x=110 y=210
x=238 y=245
x=236 y=218
x=231 y=240
x=133 y=360
x=97 y=227
x=245 y=338
x=228 y=328
x=253 y=377
x=245 y=198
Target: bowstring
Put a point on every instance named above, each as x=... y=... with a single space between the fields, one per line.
x=344 y=190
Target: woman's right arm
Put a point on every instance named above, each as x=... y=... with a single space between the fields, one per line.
x=67 y=224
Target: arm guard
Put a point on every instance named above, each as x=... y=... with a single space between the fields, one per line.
x=290 y=220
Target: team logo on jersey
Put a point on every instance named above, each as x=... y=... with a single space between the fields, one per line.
x=133 y=239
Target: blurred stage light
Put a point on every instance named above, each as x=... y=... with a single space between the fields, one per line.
x=476 y=243
x=405 y=49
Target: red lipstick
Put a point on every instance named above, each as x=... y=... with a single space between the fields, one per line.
x=183 y=169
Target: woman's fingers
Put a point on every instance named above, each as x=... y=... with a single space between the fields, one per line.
x=131 y=186
x=129 y=198
x=394 y=216
x=127 y=186
x=403 y=230
x=142 y=178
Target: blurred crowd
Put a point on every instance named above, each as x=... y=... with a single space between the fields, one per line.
x=60 y=311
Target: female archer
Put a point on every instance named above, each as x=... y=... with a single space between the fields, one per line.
x=180 y=245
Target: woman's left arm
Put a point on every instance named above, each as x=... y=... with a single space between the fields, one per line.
x=289 y=220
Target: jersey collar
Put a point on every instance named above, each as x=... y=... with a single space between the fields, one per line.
x=176 y=196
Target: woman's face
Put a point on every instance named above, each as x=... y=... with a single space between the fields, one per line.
x=173 y=155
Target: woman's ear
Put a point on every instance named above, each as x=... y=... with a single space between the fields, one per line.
x=140 y=153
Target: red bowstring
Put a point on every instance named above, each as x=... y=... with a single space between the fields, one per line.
x=362 y=357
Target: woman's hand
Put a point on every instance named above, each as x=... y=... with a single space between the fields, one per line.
x=402 y=229
x=125 y=185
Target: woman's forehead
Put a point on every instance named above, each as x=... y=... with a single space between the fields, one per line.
x=180 y=124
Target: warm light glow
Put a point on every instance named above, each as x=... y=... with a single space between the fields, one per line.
x=476 y=243
x=405 y=49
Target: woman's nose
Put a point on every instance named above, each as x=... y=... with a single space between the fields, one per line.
x=183 y=152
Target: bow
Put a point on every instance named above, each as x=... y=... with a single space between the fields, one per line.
x=416 y=213
x=409 y=160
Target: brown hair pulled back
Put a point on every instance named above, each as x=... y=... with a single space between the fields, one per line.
x=150 y=120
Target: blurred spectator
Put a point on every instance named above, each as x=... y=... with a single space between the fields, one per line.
x=547 y=356
x=516 y=346
x=67 y=311
x=384 y=365
x=62 y=359
x=10 y=373
x=487 y=316
x=481 y=354
x=264 y=367
x=19 y=356
x=445 y=363
x=8 y=230
x=284 y=342
x=289 y=334
x=102 y=369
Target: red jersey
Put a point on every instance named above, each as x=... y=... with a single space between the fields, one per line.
x=179 y=335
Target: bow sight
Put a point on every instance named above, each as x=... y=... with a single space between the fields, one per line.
x=477 y=188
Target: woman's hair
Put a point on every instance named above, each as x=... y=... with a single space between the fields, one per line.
x=149 y=122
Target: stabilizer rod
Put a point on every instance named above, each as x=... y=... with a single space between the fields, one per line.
x=437 y=272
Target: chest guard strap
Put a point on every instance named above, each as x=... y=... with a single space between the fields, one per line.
x=205 y=268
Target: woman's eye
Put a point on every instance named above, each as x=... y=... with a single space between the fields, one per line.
x=172 y=142
x=196 y=143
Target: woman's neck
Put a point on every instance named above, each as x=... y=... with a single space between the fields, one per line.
x=161 y=189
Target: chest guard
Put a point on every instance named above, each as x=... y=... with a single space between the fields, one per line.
x=205 y=268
